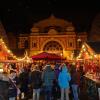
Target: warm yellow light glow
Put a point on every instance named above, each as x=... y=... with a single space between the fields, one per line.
x=10 y=53
x=83 y=46
x=1 y=70
x=91 y=57
x=95 y=56
x=61 y=54
x=87 y=53
x=81 y=51
x=84 y=49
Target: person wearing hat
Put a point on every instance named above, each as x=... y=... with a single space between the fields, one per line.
x=48 y=76
x=63 y=81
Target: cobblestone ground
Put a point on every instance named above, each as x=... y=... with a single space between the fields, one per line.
x=83 y=96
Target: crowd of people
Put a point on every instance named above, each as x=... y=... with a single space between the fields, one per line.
x=56 y=81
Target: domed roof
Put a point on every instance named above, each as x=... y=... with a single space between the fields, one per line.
x=34 y=30
x=52 y=21
x=52 y=32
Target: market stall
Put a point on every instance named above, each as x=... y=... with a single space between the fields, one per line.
x=93 y=86
x=47 y=56
x=90 y=53
x=8 y=59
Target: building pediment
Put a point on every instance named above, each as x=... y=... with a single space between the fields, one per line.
x=52 y=32
x=54 y=22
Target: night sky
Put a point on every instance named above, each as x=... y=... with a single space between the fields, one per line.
x=18 y=16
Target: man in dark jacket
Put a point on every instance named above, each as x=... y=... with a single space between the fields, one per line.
x=36 y=82
x=75 y=82
x=23 y=81
x=48 y=76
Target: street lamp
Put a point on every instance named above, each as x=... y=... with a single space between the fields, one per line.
x=79 y=42
x=78 y=45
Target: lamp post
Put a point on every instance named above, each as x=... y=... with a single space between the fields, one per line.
x=78 y=45
x=79 y=42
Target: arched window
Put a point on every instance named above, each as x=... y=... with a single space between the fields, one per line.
x=52 y=46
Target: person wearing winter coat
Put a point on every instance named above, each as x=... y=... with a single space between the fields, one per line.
x=48 y=76
x=4 y=86
x=23 y=81
x=36 y=82
x=13 y=81
x=63 y=81
x=75 y=82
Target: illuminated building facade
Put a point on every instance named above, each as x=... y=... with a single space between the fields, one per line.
x=52 y=35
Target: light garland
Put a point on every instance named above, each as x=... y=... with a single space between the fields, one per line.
x=10 y=52
x=84 y=50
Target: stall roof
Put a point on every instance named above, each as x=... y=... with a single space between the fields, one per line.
x=95 y=46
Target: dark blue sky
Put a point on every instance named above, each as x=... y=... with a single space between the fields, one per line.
x=19 y=15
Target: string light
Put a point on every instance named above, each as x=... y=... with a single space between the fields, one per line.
x=85 y=50
x=11 y=54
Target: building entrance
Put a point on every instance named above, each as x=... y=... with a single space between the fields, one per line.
x=53 y=47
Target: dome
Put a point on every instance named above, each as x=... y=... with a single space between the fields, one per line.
x=70 y=29
x=52 y=32
x=52 y=21
x=34 y=30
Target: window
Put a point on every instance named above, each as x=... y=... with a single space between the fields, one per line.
x=70 y=44
x=34 y=44
x=53 y=46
